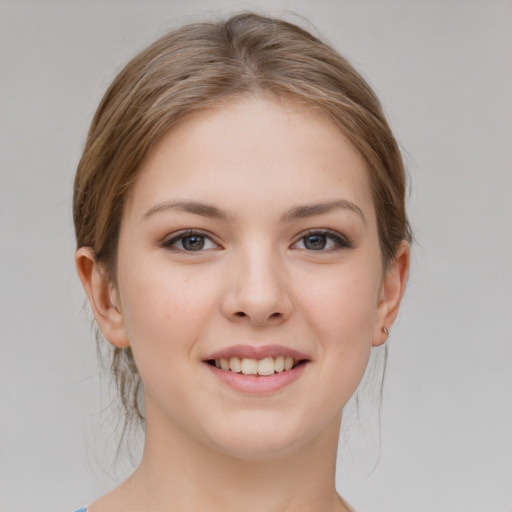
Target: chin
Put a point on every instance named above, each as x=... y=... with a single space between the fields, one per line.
x=261 y=437
x=263 y=448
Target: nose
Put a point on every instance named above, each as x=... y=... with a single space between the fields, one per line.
x=257 y=289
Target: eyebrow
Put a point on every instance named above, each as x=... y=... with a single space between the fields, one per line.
x=197 y=208
x=311 y=210
x=298 y=212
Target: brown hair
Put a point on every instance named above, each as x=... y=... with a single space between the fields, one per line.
x=199 y=66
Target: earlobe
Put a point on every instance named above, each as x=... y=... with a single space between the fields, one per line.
x=103 y=297
x=391 y=293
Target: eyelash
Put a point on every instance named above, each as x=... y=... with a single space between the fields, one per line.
x=187 y=235
x=337 y=241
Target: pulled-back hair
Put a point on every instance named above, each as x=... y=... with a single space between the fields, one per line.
x=200 y=66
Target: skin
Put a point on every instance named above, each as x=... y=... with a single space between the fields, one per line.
x=257 y=282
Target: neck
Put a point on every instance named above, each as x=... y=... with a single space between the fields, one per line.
x=180 y=473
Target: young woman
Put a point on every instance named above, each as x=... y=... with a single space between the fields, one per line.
x=243 y=242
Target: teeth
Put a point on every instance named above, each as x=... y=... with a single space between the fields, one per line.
x=248 y=366
x=279 y=364
x=266 y=366
x=235 y=364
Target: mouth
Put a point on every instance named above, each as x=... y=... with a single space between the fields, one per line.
x=257 y=370
x=261 y=367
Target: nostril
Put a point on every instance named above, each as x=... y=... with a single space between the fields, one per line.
x=274 y=316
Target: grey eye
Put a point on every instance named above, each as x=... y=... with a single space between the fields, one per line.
x=322 y=241
x=193 y=243
x=190 y=242
x=315 y=242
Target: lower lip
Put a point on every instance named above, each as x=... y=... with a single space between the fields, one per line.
x=255 y=384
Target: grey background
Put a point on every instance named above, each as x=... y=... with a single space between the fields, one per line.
x=443 y=70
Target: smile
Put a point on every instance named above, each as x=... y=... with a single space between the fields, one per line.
x=256 y=369
x=249 y=366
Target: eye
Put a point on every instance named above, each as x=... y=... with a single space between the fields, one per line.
x=321 y=241
x=190 y=241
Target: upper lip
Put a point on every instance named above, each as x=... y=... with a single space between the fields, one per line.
x=256 y=352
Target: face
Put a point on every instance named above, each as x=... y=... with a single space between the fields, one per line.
x=249 y=242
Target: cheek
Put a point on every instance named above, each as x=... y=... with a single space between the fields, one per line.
x=341 y=315
x=166 y=311
x=342 y=306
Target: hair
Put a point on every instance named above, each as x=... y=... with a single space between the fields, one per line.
x=203 y=65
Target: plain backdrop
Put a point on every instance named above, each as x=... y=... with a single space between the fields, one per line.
x=443 y=70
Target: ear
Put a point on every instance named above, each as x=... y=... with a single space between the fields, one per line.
x=391 y=293
x=103 y=297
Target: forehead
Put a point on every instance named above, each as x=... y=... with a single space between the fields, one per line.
x=268 y=152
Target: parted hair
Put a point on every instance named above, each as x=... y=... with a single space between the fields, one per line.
x=201 y=66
